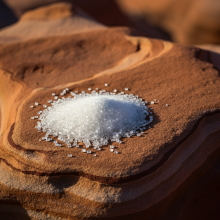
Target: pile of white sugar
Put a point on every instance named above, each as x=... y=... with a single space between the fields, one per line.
x=95 y=118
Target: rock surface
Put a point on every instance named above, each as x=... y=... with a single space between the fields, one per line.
x=161 y=175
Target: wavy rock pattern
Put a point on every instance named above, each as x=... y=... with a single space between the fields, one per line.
x=155 y=176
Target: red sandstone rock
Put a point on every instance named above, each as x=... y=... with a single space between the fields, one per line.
x=158 y=175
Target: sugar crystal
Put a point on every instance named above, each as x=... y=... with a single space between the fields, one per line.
x=94 y=119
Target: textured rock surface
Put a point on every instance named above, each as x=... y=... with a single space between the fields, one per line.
x=187 y=21
x=161 y=175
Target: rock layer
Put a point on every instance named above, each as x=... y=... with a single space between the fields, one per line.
x=152 y=173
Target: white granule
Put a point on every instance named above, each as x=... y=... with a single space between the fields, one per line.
x=94 y=119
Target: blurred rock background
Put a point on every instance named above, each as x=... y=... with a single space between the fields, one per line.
x=186 y=21
x=190 y=22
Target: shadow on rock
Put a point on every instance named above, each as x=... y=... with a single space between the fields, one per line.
x=62 y=182
x=7 y=17
x=13 y=210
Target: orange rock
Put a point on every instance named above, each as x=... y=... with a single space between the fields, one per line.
x=153 y=173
